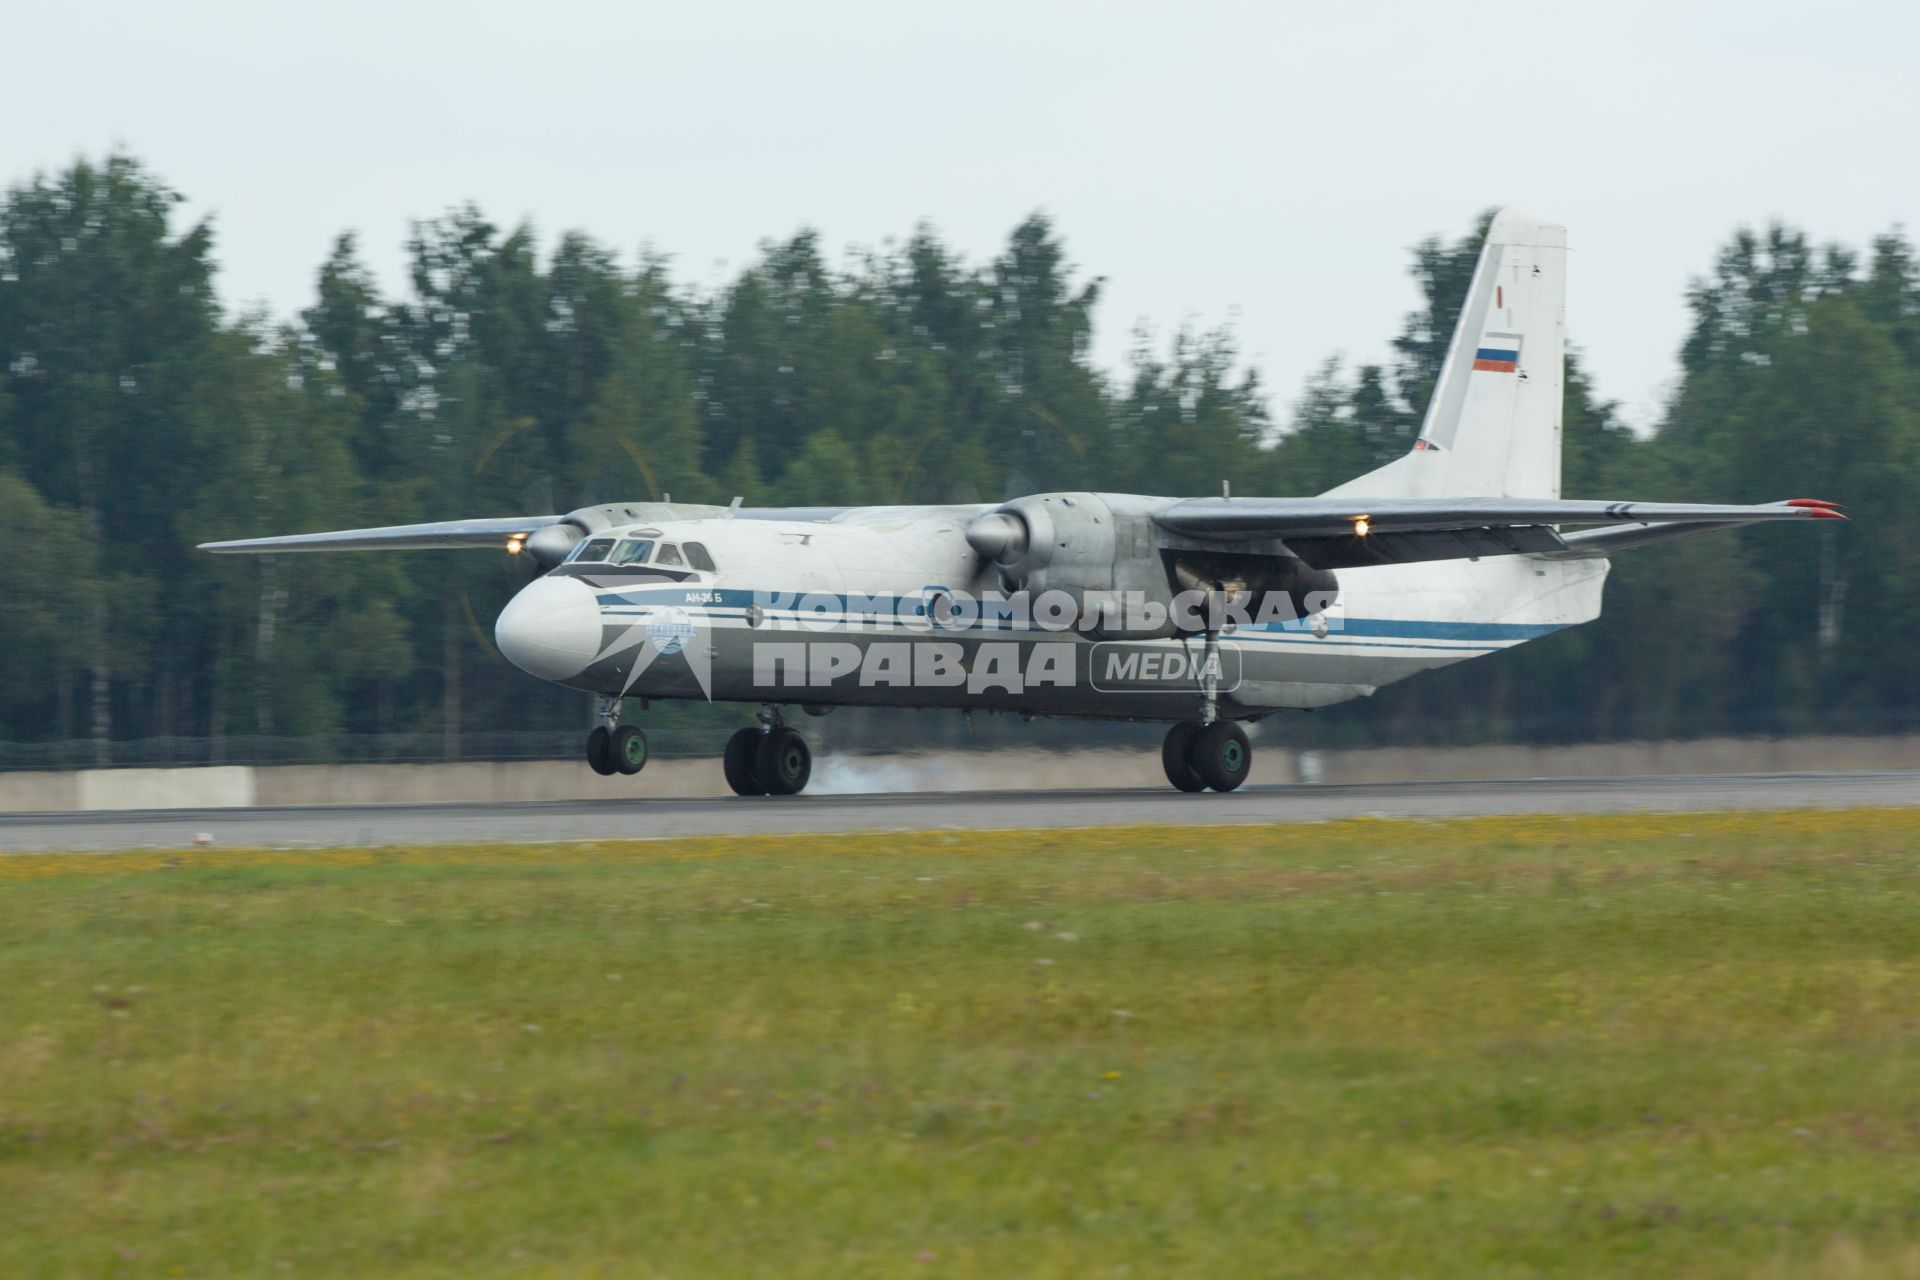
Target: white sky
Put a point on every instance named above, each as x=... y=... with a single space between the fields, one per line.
x=1265 y=163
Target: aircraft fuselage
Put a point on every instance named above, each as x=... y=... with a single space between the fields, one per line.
x=891 y=607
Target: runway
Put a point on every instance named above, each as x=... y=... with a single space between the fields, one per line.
x=641 y=818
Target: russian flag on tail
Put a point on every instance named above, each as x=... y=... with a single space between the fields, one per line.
x=1498 y=353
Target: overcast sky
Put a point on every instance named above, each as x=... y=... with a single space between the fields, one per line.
x=1263 y=164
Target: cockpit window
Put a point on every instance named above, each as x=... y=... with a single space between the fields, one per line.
x=593 y=549
x=670 y=554
x=697 y=557
x=633 y=551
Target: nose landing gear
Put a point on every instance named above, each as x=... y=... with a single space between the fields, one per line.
x=614 y=747
x=767 y=760
x=629 y=749
x=600 y=752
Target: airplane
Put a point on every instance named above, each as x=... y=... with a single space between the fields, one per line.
x=1201 y=612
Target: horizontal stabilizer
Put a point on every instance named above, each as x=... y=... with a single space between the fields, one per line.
x=1596 y=544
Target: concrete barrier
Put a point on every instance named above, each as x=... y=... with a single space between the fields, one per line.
x=39 y=792
x=467 y=783
x=215 y=787
x=238 y=786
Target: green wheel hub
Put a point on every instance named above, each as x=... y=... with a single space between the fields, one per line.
x=629 y=749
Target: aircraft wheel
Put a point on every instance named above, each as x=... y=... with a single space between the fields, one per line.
x=783 y=763
x=738 y=762
x=600 y=751
x=1221 y=755
x=1176 y=756
x=629 y=749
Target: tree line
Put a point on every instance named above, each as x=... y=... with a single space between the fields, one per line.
x=137 y=418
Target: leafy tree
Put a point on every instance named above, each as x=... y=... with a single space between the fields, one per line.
x=136 y=419
x=827 y=473
x=45 y=618
x=105 y=317
x=642 y=431
x=1192 y=420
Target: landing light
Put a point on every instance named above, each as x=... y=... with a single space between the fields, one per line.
x=1361 y=526
x=515 y=542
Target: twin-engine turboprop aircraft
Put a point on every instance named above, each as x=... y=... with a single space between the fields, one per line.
x=1203 y=612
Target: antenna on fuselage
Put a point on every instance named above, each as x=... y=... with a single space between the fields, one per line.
x=733 y=508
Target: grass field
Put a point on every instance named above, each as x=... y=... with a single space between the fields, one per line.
x=1675 y=1046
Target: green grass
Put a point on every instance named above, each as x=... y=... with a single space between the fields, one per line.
x=1675 y=1046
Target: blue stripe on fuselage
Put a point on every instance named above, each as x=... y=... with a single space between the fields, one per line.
x=824 y=604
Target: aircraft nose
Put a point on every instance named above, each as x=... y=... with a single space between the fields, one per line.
x=551 y=629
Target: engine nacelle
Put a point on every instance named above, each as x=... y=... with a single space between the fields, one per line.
x=1123 y=571
x=1049 y=542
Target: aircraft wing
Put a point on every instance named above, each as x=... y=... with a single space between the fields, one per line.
x=1337 y=533
x=501 y=533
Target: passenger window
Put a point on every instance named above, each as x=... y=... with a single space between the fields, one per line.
x=592 y=549
x=633 y=551
x=697 y=557
x=670 y=554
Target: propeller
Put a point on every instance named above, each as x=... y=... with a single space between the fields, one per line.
x=549 y=546
x=1017 y=540
x=999 y=536
x=526 y=558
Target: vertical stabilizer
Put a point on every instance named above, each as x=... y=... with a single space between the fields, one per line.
x=1493 y=427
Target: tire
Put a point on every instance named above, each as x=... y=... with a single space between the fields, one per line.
x=737 y=760
x=1176 y=757
x=783 y=763
x=600 y=752
x=629 y=749
x=1221 y=755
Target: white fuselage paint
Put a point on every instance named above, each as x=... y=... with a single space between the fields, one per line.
x=787 y=583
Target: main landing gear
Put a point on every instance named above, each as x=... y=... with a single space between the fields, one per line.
x=767 y=759
x=1197 y=755
x=1208 y=752
x=614 y=747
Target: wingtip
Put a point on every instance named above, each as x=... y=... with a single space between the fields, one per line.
x=1818 y=508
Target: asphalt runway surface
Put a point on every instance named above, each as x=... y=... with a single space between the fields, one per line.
x=640 y=818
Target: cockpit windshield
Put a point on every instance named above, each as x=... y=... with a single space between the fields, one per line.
x=609 y=548
x=593 y=549
x=633 y=551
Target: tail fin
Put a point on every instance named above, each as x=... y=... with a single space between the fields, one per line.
x=1492 y=429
